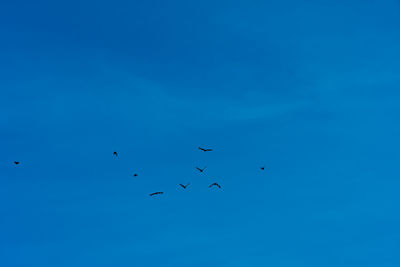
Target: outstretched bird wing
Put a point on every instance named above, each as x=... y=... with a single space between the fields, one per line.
x=201 y=170
x=156 y=193
x=205 y=149
x=211 y=185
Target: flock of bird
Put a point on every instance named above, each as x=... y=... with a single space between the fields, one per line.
x=182 y=185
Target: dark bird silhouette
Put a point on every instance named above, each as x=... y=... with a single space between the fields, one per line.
x=211 y=185
x=16 y=162
x=205 y=149
x=115 y=154
x=201 y=170
x=156 y=193
x=184 y=186
x=135 y=175
x=262 y=168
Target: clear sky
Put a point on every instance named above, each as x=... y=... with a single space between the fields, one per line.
x=309 y=89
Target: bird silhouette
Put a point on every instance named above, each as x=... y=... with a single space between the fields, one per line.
x=135 y=175
x=184 y=186
x=201 y=170
x=262 y=168
x=211 y=185
x=156 y=193
x=205 y=149
x=115 y=154
x=16 y=162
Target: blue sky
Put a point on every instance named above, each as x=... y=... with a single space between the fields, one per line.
x=310 y=89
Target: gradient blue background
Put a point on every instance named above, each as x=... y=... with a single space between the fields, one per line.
x=310 y=89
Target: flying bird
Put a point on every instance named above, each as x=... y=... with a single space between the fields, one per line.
x=205 y=149
x=262 y=168
x=211 y=185
x=156 y=193
x=201 y=170
x=135 y=175
x=115 y=154
x=16 y=162
x=184 y=186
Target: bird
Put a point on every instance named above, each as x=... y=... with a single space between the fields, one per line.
x=184 y=186
x=201 y=170
x=16 y=162
x=205 y=149
x=262 y=168
x=135 y=175
x=115 y=154
x=156 y=193
x=211 y=185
